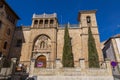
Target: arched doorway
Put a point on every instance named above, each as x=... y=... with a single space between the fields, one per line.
x=41 y=61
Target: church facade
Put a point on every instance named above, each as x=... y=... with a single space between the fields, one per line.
x=40 y=46
x=44 y=39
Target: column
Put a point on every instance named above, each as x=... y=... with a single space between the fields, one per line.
x=13 y=65
x=54 y=23
x=43 y=23
x=48 y=22
x=38 y=23
x=82 y=63
x=32 y=23
x=58 y=64
x=32 y=67
x=109 y=68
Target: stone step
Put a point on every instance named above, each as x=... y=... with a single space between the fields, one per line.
x=73 y=78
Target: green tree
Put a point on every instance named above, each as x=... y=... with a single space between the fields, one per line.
x=92 y=51
x=67 y=58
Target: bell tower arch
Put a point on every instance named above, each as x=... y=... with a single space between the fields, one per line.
x=44 y=20
x=87 y=17
x=41 y=50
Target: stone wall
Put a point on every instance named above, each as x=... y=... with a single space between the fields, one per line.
x=75 y=42
x=74 y=78
x=81 y=73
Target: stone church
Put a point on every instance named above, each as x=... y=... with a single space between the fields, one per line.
x=44 y=39
x=40 y=45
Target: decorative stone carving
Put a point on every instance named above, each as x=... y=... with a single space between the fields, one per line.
x=43 y=42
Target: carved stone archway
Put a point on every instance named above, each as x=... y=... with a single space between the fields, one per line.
x=41 y=51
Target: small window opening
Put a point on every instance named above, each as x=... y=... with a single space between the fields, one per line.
x=46 y=21
x=5 y=45
x=36 y=22
x=8 y=31
x=51 y=21
x=41 y=22
x=1 y=6
x=88 y=19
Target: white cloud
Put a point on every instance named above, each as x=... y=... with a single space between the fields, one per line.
x=118 y=25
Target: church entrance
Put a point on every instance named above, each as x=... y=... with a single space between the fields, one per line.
x=41 y=61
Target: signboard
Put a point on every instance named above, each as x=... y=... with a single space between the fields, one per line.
x=39 y=64
x=113 y=63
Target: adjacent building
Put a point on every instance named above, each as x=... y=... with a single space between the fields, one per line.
x=8 y=20
x=111 y=50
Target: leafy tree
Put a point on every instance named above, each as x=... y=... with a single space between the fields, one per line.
x=92 y=51
x=67 y=58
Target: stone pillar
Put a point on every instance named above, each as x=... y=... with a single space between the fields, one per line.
x=43 y=23
x=55 y=23
x=38 y=23
x=32 y=67
x=109 y=68
x=32 y=23
x=48 y=22
x=47 y=60
x=58 y=64
x=82 y=63
x=13 y=65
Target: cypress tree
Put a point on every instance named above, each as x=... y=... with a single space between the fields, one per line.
x=67 y=58
x=92 y=51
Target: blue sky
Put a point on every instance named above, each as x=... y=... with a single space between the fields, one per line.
x=108 y=12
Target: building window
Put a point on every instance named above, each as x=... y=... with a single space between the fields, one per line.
x=88 y=19
x=5 y=45
x=8 y=31
x=0 y=24
x=19 y=43
x=36 y=22
x=1 y=6
x=46 y=21
x=10 y=18
x=51 y=21
x=0 y=54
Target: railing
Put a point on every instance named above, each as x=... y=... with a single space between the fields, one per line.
x=5 y=73
x=45 y=15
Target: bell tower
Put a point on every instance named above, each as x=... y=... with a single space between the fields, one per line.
x=88 y=19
